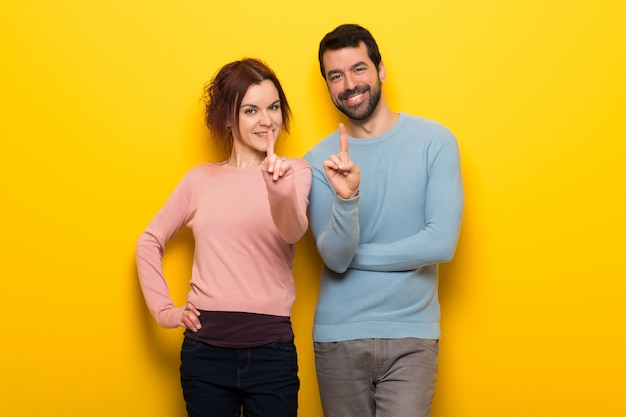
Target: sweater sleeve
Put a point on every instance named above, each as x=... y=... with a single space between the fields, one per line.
x=149 y=255
x=436 y=241
x=289 y=198
x=334 y=222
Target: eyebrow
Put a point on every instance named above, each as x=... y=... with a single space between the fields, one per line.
x=277 y=101
x=358 y=64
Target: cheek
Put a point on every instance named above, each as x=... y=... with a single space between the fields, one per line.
x=335 y=90
x=246 y=124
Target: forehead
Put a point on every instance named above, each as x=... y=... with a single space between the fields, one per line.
x=344 y=58
x=262 y=93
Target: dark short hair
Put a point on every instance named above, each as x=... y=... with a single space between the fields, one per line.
x=224 y=93
x=348 y=36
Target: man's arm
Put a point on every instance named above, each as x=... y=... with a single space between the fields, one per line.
x=436 y=241
x=333 y=207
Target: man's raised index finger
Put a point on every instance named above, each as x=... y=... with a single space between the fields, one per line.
x=343 y=138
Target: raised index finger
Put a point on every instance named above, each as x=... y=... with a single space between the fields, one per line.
x=270 y=143
x=343 y=138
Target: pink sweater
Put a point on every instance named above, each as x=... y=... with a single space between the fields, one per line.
x=245 y=226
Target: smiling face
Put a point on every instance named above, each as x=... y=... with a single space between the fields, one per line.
x=259 y=113
x=353 y=81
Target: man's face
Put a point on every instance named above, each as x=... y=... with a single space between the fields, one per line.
x=353 y=81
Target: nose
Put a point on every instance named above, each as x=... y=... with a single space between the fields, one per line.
x=350 y=82
x=266 y=119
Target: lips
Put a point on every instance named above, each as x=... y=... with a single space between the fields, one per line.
x=354 y=94
x=354 y=99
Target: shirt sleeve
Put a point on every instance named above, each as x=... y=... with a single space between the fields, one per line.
x=289 y=199
x=334 y=222
x=149 y=255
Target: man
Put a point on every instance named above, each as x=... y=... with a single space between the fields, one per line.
x=385 y=209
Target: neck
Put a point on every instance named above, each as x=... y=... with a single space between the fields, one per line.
x=240 y=160
x=378 y=123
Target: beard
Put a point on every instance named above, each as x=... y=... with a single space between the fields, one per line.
x=363 y=110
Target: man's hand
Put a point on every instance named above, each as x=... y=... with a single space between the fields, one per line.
x=343 y=174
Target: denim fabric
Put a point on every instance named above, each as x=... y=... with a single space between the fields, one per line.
x=224 y=382
x=377 y=377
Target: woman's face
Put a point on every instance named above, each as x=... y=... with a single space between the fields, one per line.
x=259 y=113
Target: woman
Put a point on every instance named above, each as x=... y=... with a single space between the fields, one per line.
x=246 y=214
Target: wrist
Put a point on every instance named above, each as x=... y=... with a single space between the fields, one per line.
x=350 y=197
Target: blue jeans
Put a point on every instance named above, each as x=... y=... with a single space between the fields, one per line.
x=377 y=377
x=223 y=382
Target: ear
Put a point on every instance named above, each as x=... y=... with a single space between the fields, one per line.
x=382 y=72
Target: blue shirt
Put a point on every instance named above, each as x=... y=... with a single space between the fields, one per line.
x=381 y=248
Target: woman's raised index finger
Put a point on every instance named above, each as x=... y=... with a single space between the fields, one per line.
x=270 y=142
x=343 y=138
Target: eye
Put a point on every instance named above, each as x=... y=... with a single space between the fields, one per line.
x=275 y=107
x=334 y=77
x=249 y=111
x=360 y=69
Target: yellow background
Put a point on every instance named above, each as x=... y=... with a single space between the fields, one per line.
x=100 y=118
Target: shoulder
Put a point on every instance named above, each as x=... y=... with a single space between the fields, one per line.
x=325 y=147
x=201 y=172
x=425 y=125
x=429 y=130
x=299 y=163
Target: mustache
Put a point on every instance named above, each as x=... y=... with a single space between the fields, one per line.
x=357 y=90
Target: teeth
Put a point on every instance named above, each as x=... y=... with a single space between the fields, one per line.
x=355 y=98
